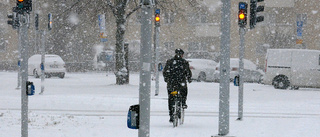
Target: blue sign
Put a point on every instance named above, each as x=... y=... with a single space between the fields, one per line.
x=242 y=5
x=42 y=66
x=103 y=40
x=157 y=11
x=109 y=57
x=299 y=28
x=133 y=117
x=236 y=81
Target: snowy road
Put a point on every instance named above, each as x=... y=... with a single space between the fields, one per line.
x=164 y=113
x=91 y=105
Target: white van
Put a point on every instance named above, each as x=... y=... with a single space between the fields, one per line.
x=292 y=67
x=54 y=66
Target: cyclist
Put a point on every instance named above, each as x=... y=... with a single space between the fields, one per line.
x=176 y=74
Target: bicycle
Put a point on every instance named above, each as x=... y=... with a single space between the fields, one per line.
x=178 y=110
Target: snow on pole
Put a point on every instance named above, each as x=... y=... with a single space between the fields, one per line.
x=224 y=90
x=145 y=71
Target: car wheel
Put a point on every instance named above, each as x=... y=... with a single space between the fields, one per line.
x=281 y=82
x=47 y=75
x=61 y=75
x=202 y=76
x=294 y=88
x=35 y=73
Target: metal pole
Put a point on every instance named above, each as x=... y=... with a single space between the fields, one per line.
x=224 y=90
x=145 y=71
x=241 y=69
x=35 y=40
x=19 y=59
x=43 y=46
x=156 y=44
x=23 y=18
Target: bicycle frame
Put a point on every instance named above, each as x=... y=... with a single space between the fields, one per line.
x=178 y=113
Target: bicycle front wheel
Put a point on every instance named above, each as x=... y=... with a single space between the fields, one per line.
x=175 y=114
x=182 y=116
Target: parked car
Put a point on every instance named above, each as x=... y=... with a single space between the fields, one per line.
x=251 y=73
x=53 y=66
x=292 y=67
x=202 y=69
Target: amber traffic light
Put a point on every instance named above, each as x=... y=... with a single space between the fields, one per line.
x=157 y=18
x=242 y=15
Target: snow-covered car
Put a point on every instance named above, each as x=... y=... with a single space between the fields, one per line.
x=251 y=73
x=202 y=69
x=53 y=66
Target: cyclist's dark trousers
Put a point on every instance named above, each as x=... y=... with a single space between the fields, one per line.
x=183 y=92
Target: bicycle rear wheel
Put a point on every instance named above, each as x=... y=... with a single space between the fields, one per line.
x=182 y=116
x=175 y=114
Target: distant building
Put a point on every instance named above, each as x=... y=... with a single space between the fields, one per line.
x=287 y=24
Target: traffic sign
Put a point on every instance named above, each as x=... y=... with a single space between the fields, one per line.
x=242 y=5
x=299 y=41
x=299 y=28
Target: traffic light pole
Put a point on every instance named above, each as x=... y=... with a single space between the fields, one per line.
x=224 y=88
x=19 y=60
x=43 y=45
x=145 y=70
x=23 y=32
x=156 y=48
x=241 y=70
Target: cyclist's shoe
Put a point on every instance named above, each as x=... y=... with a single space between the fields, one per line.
x=184 y=106
x=171 y=119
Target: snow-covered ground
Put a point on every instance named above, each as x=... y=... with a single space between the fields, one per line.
x=91 y=105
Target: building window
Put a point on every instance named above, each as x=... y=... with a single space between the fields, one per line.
x=169 y=17
x=197 y=46
x=196 y=18
x=169 y=46
x=2 y=45
x=203 y=19
x=193 y=18
x=138 y=17
x=271 y=19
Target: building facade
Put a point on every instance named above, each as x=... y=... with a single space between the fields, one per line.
x=194 y=28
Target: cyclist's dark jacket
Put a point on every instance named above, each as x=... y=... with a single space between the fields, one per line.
x=169 y=75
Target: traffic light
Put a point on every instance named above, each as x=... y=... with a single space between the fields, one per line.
x=254 y=9
x=157 y=17
x=14 y=22
x=242 y=16
x=49 y=21
x=24 y=6
x=20 y=4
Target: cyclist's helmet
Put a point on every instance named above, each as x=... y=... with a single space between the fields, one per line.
x=179 y=52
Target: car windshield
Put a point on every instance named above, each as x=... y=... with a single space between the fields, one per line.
x=52 y=58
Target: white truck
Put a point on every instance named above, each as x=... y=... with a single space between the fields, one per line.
x=292 y=68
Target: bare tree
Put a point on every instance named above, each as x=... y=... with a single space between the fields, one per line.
x=279 y=37
x=122 y=9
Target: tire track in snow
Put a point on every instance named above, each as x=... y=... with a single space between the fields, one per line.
x=165 y=113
